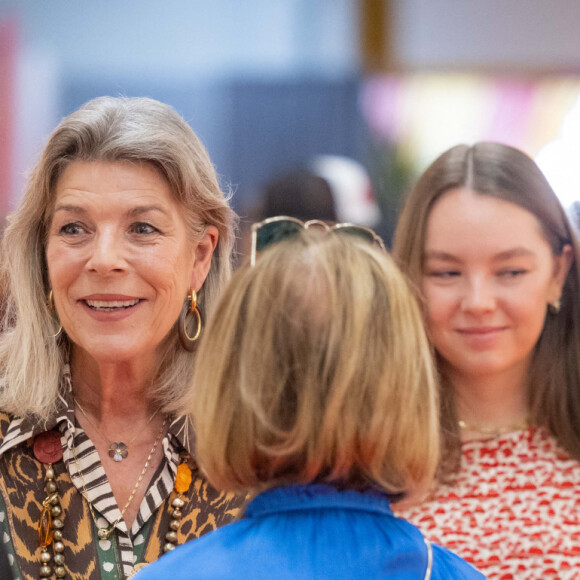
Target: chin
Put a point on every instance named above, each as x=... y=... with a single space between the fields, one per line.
x=478 y=366
x=487 y=369
x=111 y=350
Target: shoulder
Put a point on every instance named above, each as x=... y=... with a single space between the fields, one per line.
x=14 y=430
x=446 y=565
x=301 y=546
x=225 y=557
x=5 y=420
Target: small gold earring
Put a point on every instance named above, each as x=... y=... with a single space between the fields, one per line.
x=52 y=308
x=555 y=306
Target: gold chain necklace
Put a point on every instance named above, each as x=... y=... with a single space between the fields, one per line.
x=104 y=533
x=490 y=430
x=48 y=450
x=117 y=450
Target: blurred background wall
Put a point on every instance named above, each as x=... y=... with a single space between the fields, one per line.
x=270 y=84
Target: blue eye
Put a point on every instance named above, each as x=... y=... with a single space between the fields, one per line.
x=143 y=228
x=72 y=229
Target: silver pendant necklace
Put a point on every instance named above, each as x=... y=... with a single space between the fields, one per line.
x=103 y=533
x=117 y=450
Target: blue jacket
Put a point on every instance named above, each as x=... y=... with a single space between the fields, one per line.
x=312 y=532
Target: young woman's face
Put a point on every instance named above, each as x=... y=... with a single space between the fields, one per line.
x=488 y=276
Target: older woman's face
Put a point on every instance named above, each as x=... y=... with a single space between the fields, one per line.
x=120 y=259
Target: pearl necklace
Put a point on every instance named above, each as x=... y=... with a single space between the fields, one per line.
x=48 y=450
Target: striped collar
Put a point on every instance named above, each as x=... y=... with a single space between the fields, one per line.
x=88 y=474
x=24 y=428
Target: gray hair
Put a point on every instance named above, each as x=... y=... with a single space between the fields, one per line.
x=108 y=129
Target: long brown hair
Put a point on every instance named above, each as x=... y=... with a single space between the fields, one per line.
x=506 y=173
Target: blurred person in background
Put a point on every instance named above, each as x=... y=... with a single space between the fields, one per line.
x=484 y=239
x=120 y=245
x=330 y=188
x=301 y=194
x=324 y=411
x=351 y=187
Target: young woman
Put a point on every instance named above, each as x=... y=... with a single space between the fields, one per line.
x=316 y=394
x=489 y=248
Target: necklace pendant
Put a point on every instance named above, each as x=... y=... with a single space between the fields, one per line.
x=118 y=451
x=103 y=533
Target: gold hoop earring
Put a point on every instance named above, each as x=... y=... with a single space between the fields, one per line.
x=554 y=307
x=52 y=308
x=190 y=305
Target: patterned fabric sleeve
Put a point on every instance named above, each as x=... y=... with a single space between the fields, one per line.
x=86 y=558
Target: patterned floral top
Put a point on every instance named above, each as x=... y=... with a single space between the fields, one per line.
x=22 y=491
x=514 y=511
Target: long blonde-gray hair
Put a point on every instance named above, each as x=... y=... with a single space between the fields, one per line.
x=105 y=129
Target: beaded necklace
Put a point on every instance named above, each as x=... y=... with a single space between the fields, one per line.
x=48 y=450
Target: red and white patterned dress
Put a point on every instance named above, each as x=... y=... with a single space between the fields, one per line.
x=514 y=511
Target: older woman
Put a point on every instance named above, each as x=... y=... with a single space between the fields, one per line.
x=323 y=410
x=109 y=267
x=489 y=245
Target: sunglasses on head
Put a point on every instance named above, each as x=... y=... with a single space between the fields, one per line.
x=275 y=229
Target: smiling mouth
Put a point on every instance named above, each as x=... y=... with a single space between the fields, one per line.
x=111 y=305
x=481 y=330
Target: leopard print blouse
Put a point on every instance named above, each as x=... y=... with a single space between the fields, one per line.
x=22 y=481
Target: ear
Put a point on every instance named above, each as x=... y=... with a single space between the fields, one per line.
x=562 y=265
x=202 y=257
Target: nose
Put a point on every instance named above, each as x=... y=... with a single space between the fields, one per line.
x=479 y=296
x=106 y=254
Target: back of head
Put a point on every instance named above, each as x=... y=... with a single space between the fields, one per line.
x=300 y=194
x=315 y=367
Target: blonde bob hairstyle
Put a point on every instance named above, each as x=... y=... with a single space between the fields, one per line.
x=315 y=368
x=508 y=174
x=108 y=129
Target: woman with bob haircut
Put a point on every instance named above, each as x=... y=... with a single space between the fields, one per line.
x=118 y=248
x=315 y=393
x=487 y=244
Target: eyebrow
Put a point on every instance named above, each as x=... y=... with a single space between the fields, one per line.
x=514 y=253
x=142 y=209
x=443 y=256
x=69 y=208
x=517 y=252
